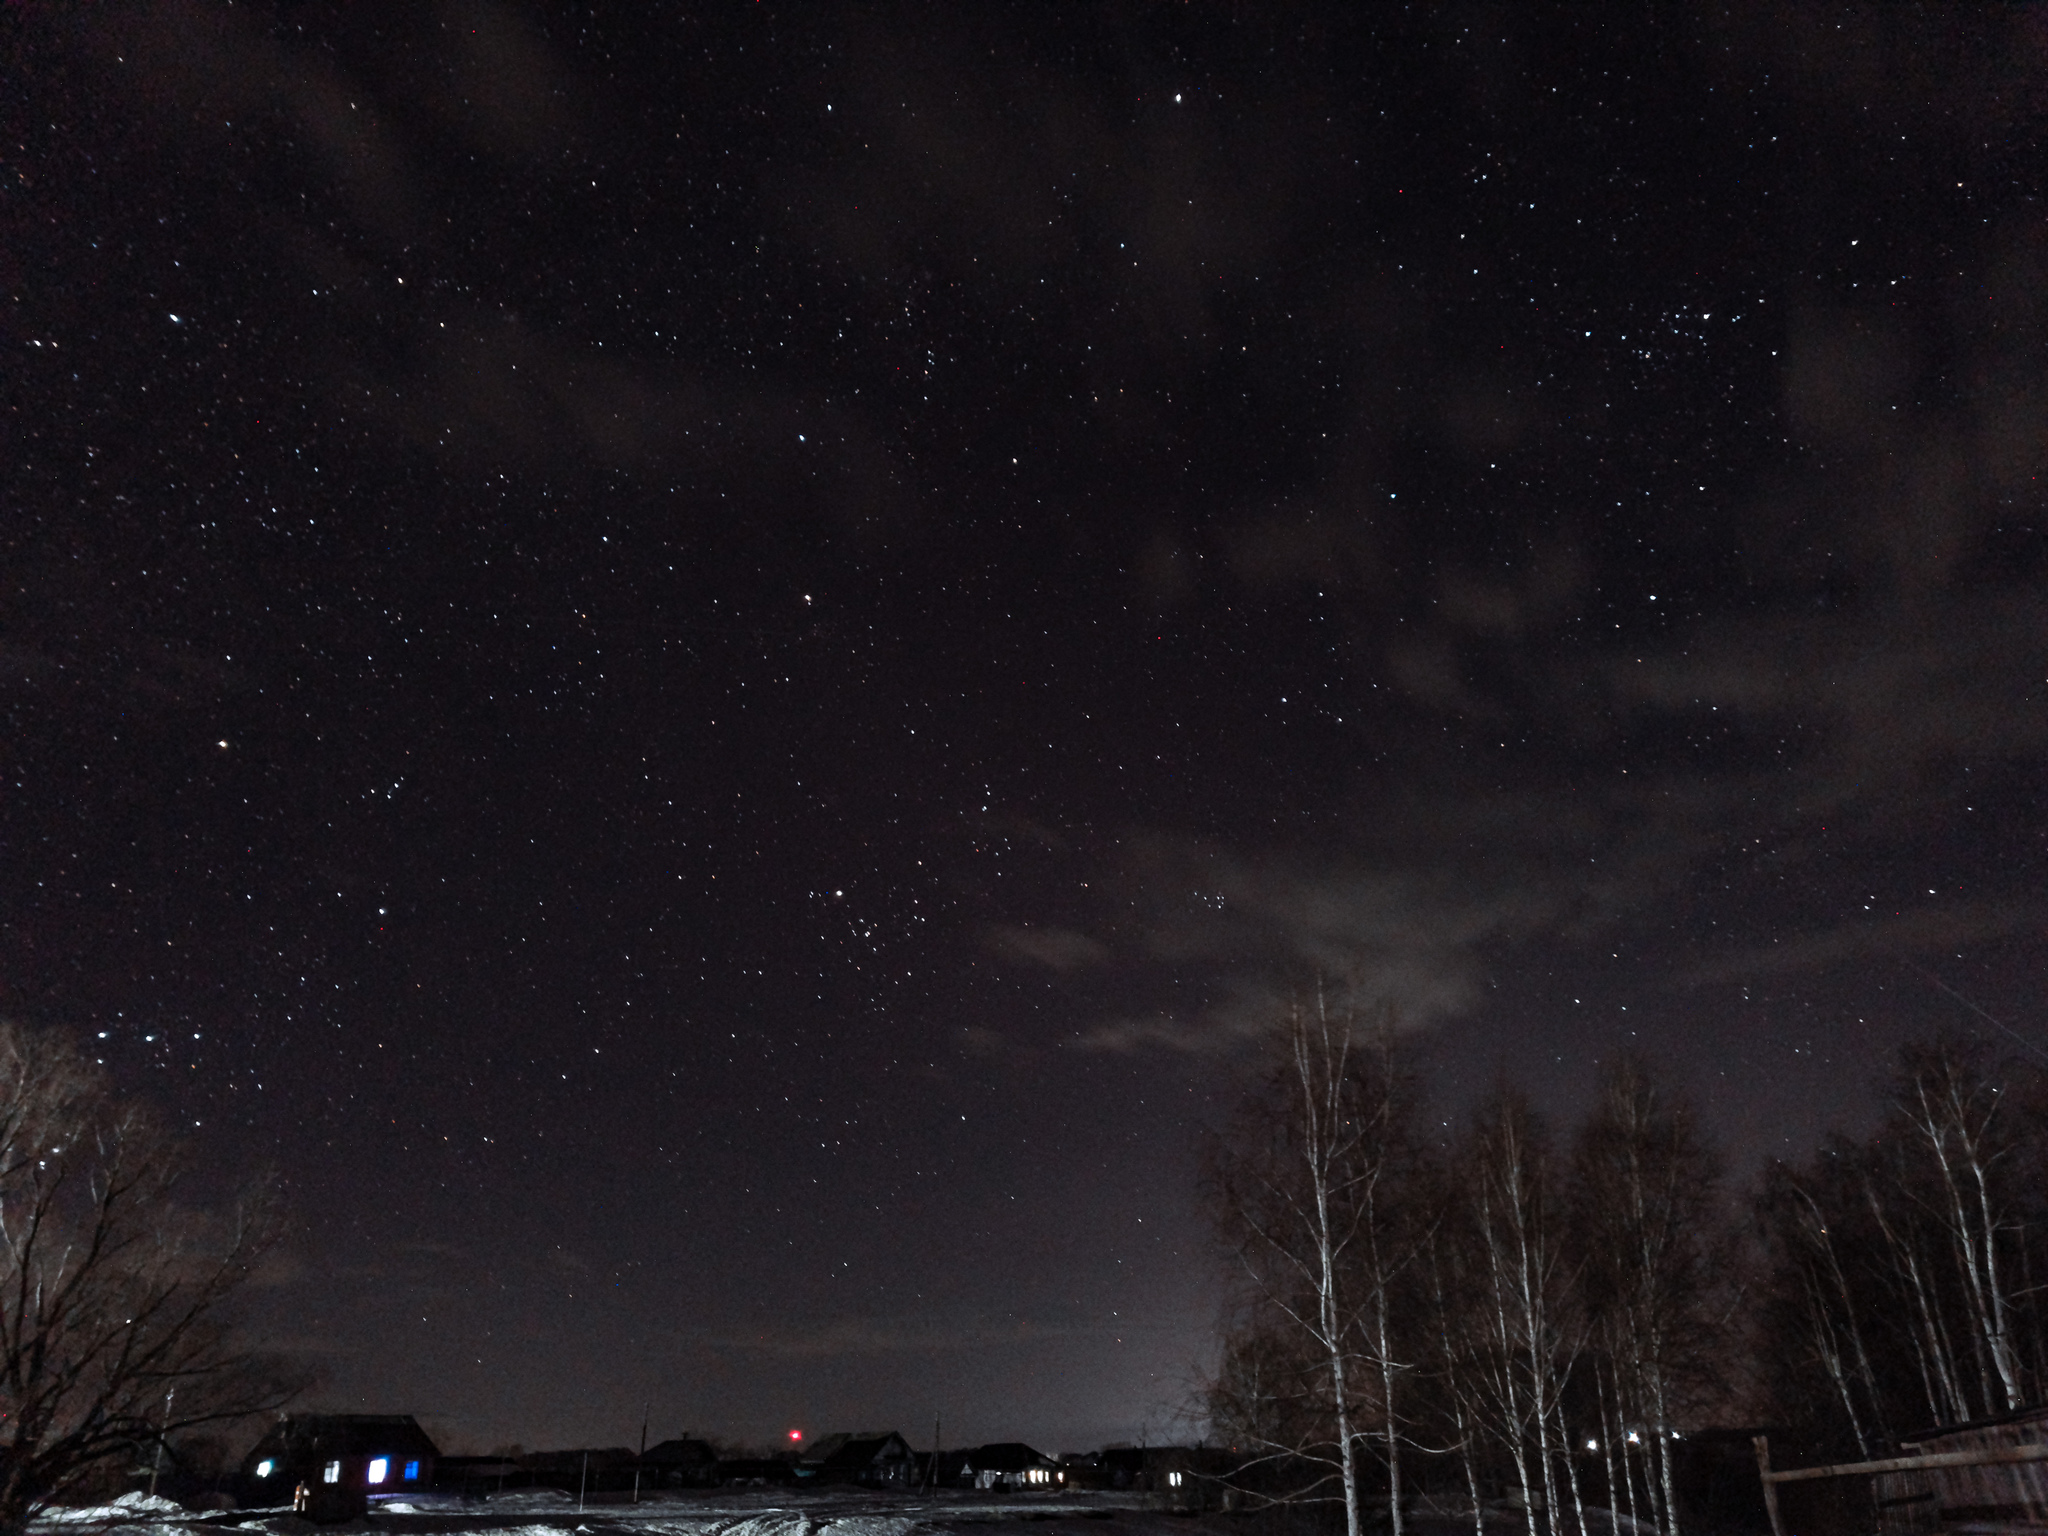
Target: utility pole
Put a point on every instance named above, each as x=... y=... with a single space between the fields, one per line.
x=646 y=1413
x=157 y=1465
x=583 y=1482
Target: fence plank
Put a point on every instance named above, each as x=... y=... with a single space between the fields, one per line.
x=1987 y=1457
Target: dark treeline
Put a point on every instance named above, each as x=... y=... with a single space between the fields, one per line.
x=1544 y=1315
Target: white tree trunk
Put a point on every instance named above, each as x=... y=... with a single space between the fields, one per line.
x=1321 y=1087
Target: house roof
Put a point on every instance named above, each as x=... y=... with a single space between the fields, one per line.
x=580 y=1456
x=680 y=1453
x=344 y=1434
x=863 y=1450
x=1006 y=1456
x=821 y=1449
x=829 y=1448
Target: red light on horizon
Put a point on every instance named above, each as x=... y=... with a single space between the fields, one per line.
x=796 y=1434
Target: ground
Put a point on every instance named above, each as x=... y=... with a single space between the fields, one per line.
x=773 y=1512
x=776 y=1512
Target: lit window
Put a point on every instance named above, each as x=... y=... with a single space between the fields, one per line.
x=331 y=1473
x=412 y=1471
x=265 y=1467
x=1173 y=1479
x=378 y=1468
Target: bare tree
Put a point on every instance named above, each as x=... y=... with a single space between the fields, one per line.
x=1306 y=1189
x=113 y=1334
x=1815 y=1303
x=1456 y=1335
x=1900 y=1265
x=1654 y=1242
x=1394 y=1230
x=1521 y=1355
x=1480 y=1305
x=1953 y=1113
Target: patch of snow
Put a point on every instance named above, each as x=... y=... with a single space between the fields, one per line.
x=126 y=1507
x=871 y=1525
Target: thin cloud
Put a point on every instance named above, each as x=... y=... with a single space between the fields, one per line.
x=1058 y=949
x=843 y=1336
x=1941 y=930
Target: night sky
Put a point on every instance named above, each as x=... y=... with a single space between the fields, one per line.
x=700 y=666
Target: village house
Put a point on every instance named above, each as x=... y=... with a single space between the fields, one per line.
x=338 y=1461
x=756 y=1471
x=1008 y=1464
x=681 y=1463
x=871 y=1458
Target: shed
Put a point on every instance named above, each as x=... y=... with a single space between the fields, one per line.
x=1993 y=1493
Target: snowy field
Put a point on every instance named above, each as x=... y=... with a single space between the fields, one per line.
x=767 y=1512
x=770 y=1512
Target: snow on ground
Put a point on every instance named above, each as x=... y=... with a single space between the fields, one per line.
x=759 y=1512
x=128 y=1508
x=766 y=1512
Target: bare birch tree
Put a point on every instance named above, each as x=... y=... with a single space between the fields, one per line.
x=1522 y=1357
x=1814 y=1289
x=1898 y=1264
x=112 y=1296
x=1306 y=1191
x=1395 y=1225
x=1455 y=1310
x=1653 y=1239
x=1954 y=1116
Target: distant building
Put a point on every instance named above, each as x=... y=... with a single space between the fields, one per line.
x=1123 y=1466
x=1186 y=1476
x=587 y=1471
x=1082 y=1470
x=1007 y=1464
x=871 y=1458
x=1190 y=1478
x=756 y=1471
x=681 y=1463
x=340 y=1458
x=477 y=1477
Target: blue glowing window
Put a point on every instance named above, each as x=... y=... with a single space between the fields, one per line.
x=412 y=1471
